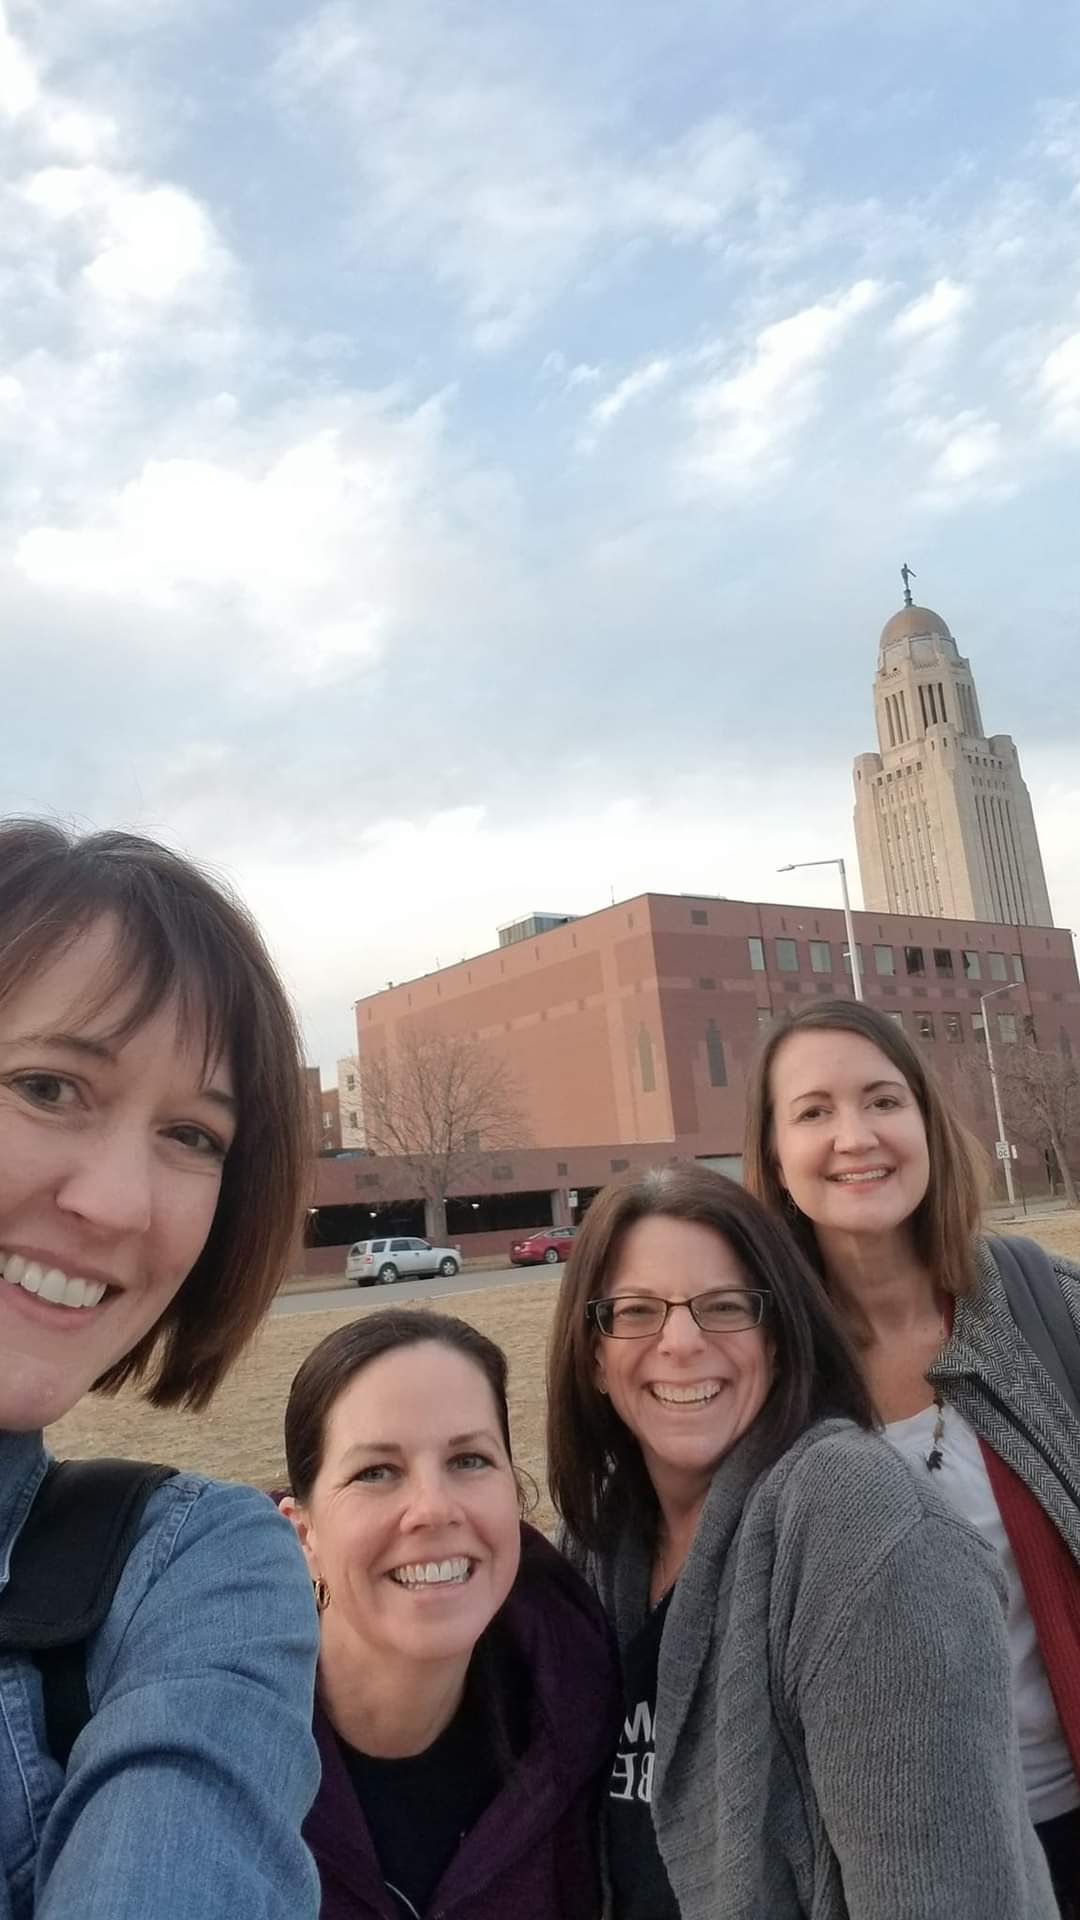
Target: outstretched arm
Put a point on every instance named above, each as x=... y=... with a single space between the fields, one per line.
x=186 y=1791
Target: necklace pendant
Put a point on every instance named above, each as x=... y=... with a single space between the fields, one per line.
x=933 y=1460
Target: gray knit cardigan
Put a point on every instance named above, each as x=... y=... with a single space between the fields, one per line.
x=834 y=1730
x=990 y=1374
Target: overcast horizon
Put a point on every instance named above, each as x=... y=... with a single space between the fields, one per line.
x=458 y=460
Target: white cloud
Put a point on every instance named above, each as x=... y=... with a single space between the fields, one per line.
x=320 y=548
x=744 y=422
x=19 y=86
x=642 y=381
x=935 y=313
x=480 y=170
x=967 y=459
x=42 y=116
x=135 y=245
x=1059 y=387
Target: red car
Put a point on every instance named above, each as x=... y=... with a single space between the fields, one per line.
x=542 y=1248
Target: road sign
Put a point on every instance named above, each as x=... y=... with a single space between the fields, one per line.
x=1001 y=1148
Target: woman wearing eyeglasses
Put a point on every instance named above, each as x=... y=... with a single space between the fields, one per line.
x=815 y=1663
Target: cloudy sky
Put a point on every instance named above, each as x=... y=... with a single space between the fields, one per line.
x=457 y=457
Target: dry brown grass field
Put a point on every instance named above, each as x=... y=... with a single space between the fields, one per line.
x=239 y=1437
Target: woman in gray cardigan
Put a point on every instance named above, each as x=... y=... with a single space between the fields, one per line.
x=969 y=1344
x=818 y=1715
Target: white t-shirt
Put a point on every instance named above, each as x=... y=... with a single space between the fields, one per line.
x=1052 y=1787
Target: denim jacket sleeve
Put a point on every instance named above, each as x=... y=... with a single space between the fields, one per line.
x=186 y=1791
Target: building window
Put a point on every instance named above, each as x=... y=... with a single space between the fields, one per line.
x=562 y=1166
x=352 y=1119
x=972 y=969
x=913 y=960
x=714 y=1050
x=327 y=1122
x=1007 y=1027
x=698 y=917
x=998 y=969
x=787 y=956
x=953 y=1027
x=350 y=1081
x=924 y=1026
x=645 y=1061
x=943 y=966
x=884 y=960
x=619 y=1166
x=820 y=956
x=978 y=1026
x=898 y=1017
x=707 y=986
x=847 y=961
x=757 y=954
x=1018 y=967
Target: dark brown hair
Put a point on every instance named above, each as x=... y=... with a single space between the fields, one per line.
x=180 y=938
x=597 y=1475
x=335 y=1362
x=947 y=1219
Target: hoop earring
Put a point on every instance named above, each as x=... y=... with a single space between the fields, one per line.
x=322 y=1595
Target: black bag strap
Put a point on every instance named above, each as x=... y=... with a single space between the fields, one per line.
x=65 y=1569
x=1038 y=1306
x=71 y=1550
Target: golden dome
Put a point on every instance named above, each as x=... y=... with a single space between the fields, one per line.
x=914 y=623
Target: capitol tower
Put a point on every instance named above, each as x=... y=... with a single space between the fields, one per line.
x=943 y=820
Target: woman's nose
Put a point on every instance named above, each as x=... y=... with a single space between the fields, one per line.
x=109 y=1185
x=680 y=1333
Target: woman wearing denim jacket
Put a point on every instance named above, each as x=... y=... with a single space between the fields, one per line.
x=152 y=1150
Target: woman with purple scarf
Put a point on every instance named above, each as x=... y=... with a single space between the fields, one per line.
x=466 y=1702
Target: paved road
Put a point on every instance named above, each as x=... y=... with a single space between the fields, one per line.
x=342 y=1296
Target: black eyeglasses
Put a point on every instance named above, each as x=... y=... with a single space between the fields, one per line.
x=635 y=1316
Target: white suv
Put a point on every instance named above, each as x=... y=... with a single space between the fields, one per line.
x=380 y=1261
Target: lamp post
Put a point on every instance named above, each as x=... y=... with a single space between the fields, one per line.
x=856 y=971
x=1005 y=1158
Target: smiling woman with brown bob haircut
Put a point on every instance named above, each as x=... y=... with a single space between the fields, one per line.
x=815 y=1667
x=152 y=1167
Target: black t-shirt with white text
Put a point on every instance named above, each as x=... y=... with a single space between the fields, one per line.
x=640 y=1886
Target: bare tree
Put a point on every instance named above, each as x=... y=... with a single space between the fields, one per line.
x=440 y=1102
x=1040 y=1099
x=1040 y=1092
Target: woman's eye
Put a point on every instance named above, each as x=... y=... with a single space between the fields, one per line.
x=372 y=1476
x=811 y=1113
x=471 y=1461
x=199 y=1140
x=47 y=1089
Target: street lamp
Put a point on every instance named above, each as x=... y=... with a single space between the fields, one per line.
x=856 y=972
x=1005 y=1157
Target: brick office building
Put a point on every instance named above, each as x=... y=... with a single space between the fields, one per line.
x=632 y=1029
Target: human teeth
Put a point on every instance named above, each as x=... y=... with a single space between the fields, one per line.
x=50 y=1283
x=431 y=1573
x=857 y=1179
x=687 y=1396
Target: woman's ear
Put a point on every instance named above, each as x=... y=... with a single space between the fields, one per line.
x=300 y=1521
